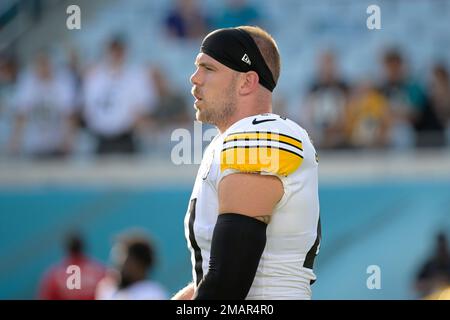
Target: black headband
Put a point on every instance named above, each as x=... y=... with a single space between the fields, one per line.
x=236 y=49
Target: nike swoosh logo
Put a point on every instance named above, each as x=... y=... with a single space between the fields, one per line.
x=261 y=121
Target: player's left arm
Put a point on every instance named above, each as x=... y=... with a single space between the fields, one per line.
x=250 y=194
x=246 y=203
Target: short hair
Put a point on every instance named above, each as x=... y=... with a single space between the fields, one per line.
x=139 y=247
x=117 y=41
x=440 y=71
x=393 y=56
x=142 y=251
x=268 y=48
x=74 y=243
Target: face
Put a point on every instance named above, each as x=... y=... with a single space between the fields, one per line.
x=215 y=90
x=393 y=69
x=43 y=67
x=116 y=54
x=327 y=66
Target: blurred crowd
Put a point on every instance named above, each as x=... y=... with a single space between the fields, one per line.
x=126 y=277
x=396 y=111
x=45 y=107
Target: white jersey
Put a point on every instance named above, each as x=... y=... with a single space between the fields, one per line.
x=47 y=105
x=271 y=145
x=115 y=99
x=142 y=290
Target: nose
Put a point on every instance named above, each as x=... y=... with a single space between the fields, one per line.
x=195 y=78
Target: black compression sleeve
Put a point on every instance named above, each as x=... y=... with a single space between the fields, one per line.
x=237 y=245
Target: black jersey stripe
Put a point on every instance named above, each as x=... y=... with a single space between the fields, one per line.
x=271 y=140
x=197 y=252
x=311 y=255
x=262 y=132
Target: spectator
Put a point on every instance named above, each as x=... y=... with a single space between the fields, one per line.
x=76 y=72
x=238 y=13
x=367 y=119
x=325 y=106
x=8 y=80
x=405 y=97
x=171 y=109
x=116 y=101
x=170 y=112
x=44 y=125
x=434 y=275
x=134 y=258
x=437 y=119
x=54 y=283
x=186 y=21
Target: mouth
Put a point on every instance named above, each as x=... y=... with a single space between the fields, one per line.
x=196 y=96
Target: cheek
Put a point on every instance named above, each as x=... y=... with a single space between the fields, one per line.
x=209 y=88
x=214 y=88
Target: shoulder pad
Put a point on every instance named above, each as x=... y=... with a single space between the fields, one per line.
x=262 y=144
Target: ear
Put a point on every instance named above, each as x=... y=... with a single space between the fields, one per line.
x=249 y=83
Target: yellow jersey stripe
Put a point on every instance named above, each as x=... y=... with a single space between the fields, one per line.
x=260 y=159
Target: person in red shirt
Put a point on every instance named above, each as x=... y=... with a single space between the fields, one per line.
x=59 y=282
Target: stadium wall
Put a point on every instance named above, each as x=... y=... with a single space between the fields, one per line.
x=377 y=209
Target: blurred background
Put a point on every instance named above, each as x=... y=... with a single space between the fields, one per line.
x=86 y=123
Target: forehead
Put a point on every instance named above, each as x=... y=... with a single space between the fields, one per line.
x=203 y=58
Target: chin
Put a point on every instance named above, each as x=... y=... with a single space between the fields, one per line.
x=198 y=115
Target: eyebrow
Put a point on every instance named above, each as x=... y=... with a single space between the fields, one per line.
x=205 y=64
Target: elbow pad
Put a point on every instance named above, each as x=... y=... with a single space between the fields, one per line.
x=237 y=244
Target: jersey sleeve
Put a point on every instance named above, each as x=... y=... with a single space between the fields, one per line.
x=272 y=149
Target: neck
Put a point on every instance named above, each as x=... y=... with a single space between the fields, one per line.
x=75 y=256
x=126 y=281
x=247 y=108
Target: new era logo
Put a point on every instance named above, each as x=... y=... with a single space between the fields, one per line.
x=246 y=59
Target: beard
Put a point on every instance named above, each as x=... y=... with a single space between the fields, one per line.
x=220 y=110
